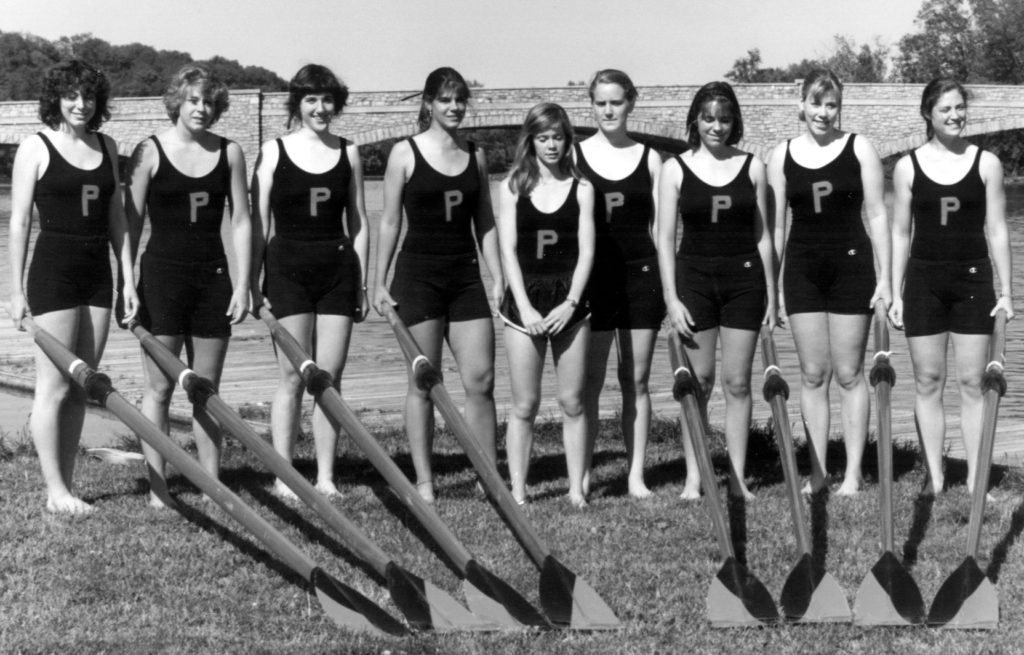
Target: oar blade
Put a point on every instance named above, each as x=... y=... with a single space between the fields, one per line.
x=426 y=607
x=491 y=598
x=888 y=595
x=350 y=609
x=569 y=602
x=736 y=599
x=966 y=600
x=811 y=595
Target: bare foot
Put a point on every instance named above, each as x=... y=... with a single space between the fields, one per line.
x=637 y=489
x=68 y=505
x=162 y=501
x=327 y=488
x=851 y=486
x=426 y=490
x=578 y=502
x=932 y=487
x=691 y=491
x=283 y=491
x=744 y=492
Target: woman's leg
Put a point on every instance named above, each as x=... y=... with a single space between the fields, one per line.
x=156 y=400
x=811 y=336
x=848 y=337
x=419 y=409
x=569 y=352
x=636 y=350
x=525 y=365
x=971 y=355
x=928 y=356
x=737 y=357
x=472 y=344
x=597 y=368
x=333 y=333
x=285 y=410
x=702 y=358
x=207 y=360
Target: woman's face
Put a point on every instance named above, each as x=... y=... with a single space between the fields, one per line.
x=714 y=124
x=447 y=109
x=611 y=108
x=821 y=113
x=549 y=146
x=316 y=111
x=949 y=115
x=75 y=109
x=196 y=110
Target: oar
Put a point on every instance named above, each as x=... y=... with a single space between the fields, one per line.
x=566 y=599
x=736 y=598
x=486 y=594
x=968 y=599
x=425 y=606
x=343 y=604
x=888 y=594
x=810 y=594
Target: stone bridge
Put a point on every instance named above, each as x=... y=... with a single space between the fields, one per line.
x=887 y=113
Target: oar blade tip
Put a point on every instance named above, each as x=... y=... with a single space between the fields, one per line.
x=811 y=595
x=426 y=607
x=569 y=602
x=736 y=599
x=350 y=609
x=493 y=599
x=888 y=595
x=967 y=600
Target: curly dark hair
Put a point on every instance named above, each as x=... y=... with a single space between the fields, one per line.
x=69 y=77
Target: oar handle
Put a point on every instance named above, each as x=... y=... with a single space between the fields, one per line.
x=426 y=373
x=882 y=377
x=997 y=349
x=337 y=410
x=692 y=426
x=881 y=328
x=350 y=534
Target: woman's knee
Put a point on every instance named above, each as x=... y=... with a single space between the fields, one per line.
x=736 y=386
x=525 y=408
x=479 y=383
x=571 y=403
x=159 y=389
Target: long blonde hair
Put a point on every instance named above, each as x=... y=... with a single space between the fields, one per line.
x=542 y=117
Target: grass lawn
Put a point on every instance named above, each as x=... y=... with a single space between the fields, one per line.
x=131 y=579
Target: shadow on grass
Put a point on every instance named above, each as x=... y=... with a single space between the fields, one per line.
x=918 y=527
x=1002 y=548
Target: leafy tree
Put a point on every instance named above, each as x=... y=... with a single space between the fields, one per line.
x=945 y=46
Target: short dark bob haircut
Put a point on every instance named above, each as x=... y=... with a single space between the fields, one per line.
x=934 y=90
x=314 y=79
x=440 y=81
x=613 y=76
x=209 y=85
x=68 y=77
x=722 y=93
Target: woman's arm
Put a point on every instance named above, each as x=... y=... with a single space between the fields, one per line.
x=669 y=186
x=400 y=165
x=778 y=220
x=262 y=184
x=508 y=237
x=358 y=226
x=902 y=182
x=763 y=235
x=30 y=161
x=486 y=234
x=654 y=168
x=873 y=182
x=991 y=170
x=241 y=236
x=120 y=239
x=558 y=318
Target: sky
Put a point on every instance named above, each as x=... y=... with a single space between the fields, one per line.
x=393 y=44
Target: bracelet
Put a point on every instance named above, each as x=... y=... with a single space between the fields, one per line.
x=572 y=302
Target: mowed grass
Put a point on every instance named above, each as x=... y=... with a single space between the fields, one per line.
x=132 y=579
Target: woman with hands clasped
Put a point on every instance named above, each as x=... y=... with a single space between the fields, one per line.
x=952 y=193
x=546 y=233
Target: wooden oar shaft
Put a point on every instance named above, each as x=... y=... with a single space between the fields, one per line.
x=883 y=409
x=784 y=440
x=353 y=537
x=334 y=407
x=424 y=369
x=692 y=428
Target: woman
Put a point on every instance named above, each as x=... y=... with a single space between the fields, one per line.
x=826 y=176
x=315 y=275
x=69 y=171
x=626 y=302
x=183 y=176
x=952 y=191
x=546 y=233
x=720 y=283
x=440 y=180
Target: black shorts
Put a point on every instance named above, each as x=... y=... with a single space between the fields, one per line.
x=312 y=277
x=837 y=280
x=545 y=292
x=948 y=296
x=723 y=291
x=439 y=286
x=626 y=295
x=189 y=298
x=69 y=271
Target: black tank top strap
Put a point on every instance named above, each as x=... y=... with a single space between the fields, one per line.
x=744 y=173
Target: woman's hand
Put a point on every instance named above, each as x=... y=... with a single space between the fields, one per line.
x=18 y=309
x=771 y=314
x=680 y=319
x=362 y=305
x=382 y=297
x=532 y=321
x=559 y=317
x=1004 y=303
x=130 y=298
x=896 y=313
x=883 y=293
x=239 y=306
x=497 y=295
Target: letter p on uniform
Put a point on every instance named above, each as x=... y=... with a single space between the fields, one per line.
x=317 y=195
x=545 y=238
x=820 y=190
x=950 y=204
x=89 y=192
x=452 y=199
x=719 y=203
x=195 y=201
x=611 y=201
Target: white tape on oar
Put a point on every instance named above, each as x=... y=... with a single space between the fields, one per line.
x=184 y=375
x=73 y=365
x=994 y=365
x=680 y=370
x=306 y=364
x=883 y=353
x=418 y=359
x=772 y=368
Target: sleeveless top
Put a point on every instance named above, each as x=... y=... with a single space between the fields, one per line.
x=186 y=212
x=548 y=243
x=623 y=211
x=826 y=201
x=718 y=221
x=74 y=201
x=309 y=206
x=440 y=208
x=949 y=219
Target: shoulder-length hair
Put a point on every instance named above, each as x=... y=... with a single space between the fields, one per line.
x=441 y=81
x=722 y=93
x=525 y=170
x=70 y=76
x=818 y=83
x=930 y=97
x=210 y=86
x=314 y=79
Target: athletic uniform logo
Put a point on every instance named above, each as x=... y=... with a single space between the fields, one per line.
x=197 y=199
x=950 y=204
x=89 y=192
x=452 y=199
x=317 y=195
x=717 y=203
x=611 y=201
x=545 y=238
x=820 y=190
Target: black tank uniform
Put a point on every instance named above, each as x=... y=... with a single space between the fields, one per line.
x=184 y=284
x=949 y=282
x=625 y=289
x=547 y=249
x=829 y=263
x=437 y=272
x=719 y=272
x=311 y=265
x=71 y=260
